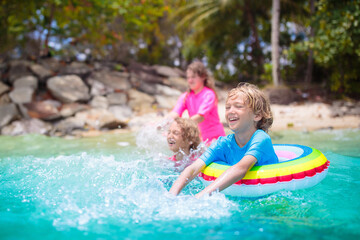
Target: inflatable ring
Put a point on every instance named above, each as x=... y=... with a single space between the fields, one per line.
x=299 y=167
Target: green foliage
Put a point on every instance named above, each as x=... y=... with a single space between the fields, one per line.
x=101 y=25
x=216 y=29
x=336 y=44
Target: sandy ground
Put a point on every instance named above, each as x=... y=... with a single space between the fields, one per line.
x=306 y=117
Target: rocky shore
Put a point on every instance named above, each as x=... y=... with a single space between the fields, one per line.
x=54 y=98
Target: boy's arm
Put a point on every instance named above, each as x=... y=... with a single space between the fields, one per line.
x=230 y=176
x=187 y=176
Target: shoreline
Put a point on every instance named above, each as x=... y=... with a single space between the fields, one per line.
x=310 y=116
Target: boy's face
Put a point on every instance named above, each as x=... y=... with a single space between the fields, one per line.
x=239 y=115
x=195 y=82
x=175 y=139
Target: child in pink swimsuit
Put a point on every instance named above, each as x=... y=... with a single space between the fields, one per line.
x=201 y=102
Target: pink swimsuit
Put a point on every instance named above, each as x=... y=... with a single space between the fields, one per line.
x=205 y=104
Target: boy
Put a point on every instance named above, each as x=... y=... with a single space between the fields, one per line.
x=249 y=116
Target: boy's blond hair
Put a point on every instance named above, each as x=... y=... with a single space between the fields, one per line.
x=189 y=131
x=257 y=101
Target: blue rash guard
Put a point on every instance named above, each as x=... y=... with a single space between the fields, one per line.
x=226 y=150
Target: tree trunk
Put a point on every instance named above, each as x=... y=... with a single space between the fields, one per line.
x=310 y=61
x=45 y=52
x=275 y=30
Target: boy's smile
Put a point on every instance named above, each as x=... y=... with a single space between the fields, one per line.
x=239 y=115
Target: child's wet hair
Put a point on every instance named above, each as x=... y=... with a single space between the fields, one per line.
x=189 y=131
x=257 y=101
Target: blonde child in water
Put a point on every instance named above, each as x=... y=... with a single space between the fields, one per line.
x=183 y=139
x=201 y=103
x=249 y=116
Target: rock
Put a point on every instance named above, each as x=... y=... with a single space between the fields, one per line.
x=69 y=109
x=26 y=82
x=3 y=88
x=4 y=99
x=117 y=98
x=177 y=83
x=99 y=102
x=18 y=69
x=167 y=91
x=166 y=102
x=140 y=102
x=98 y=88
x=22 y=95
x=166 y=71
x=99 y=118
x=27 y=126
x=66 y=126
x=114 y=80
x=68 y=89
x=121 y=112
x=8 y=112
x=51 y=64
x=280 y=95
x=41 y=72
x=138 y=78
x=46 y=110
x=354 y=111
x=145 y=87
x=76 y=68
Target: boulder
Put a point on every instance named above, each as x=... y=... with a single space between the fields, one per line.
x=22 y=95
x=3 y=88
x=8 y=112
x=66 y=126
x=26 y=82
x=145 y=87
x=4 y=99
x=140 y=102
x=280 y=95
x=167 y=91
x=117 y=98
x=51 y=64
x=97 y=118
x=115 y=80
x=27 y=126
x=46 y=110
x=41 y=72
x=76 y=68
x=177 y=83
x=165 y=102
x=121 y=112
x=99 y=102
x=69 y=109
x=99 y=88
x=166 y=71
x=138 y=78
x=68 y=89
x=18 y=69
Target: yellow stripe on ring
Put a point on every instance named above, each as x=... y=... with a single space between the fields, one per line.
x=281 y=171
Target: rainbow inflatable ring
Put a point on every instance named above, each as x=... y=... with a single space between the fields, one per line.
x=299 y=167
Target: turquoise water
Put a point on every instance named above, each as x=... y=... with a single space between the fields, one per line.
x=115 y=187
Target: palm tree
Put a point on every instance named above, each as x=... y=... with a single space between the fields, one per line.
x=224 y=24
x=275 y=41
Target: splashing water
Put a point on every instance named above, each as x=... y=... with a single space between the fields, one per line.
x=116 y=187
